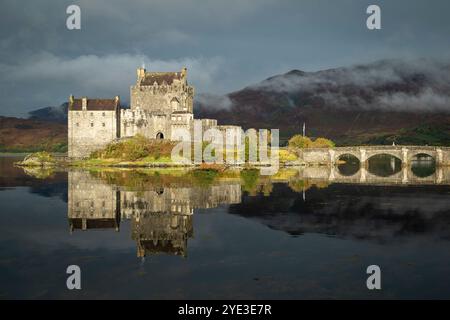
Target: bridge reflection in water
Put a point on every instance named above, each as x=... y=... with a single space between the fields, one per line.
x=161 y=213
x=387 y=170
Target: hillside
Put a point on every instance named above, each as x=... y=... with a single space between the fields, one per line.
x=380 y=102
x=27 y=135
x=53 y=114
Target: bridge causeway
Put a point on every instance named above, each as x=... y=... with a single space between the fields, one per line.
x=330 y=156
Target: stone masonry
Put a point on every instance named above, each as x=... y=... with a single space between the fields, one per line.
x=160 y=102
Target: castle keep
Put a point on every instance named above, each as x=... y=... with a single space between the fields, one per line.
x=160 y=102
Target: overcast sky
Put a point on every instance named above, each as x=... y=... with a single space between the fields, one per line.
x=225 y=44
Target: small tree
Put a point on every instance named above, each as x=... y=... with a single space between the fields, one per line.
x=298 y=141
x=323 y=143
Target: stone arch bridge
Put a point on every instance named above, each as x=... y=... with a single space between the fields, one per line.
x=329 y=156
x=441 y=176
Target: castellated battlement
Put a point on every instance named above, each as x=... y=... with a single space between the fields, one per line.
x=160 y=103
x=162 y=92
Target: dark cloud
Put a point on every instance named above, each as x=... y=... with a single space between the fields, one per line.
x=226 y=44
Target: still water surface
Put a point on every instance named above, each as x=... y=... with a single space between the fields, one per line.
x=147 y=234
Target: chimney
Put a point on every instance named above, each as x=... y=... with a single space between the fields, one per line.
x=70 y=100
x=140 y=73
x=184 y=72
x=117 y=100
x=84 y=103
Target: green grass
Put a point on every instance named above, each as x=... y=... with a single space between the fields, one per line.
x=136 y=148
x=58 y=147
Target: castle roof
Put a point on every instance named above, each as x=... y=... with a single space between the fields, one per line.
x=95 y=104
x=160 y=77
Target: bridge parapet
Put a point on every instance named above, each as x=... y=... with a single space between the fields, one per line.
x=329 y=156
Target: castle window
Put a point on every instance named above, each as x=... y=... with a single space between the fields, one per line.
x=103 y=114
x=77 y=124
x=174 y=104
x=92 y=113
x=92 y=124
x=103 y=124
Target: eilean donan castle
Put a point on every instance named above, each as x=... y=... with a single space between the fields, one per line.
x=160 y=102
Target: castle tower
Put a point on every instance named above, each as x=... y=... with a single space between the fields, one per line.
x=92 y=124
x=160 y=102
x=162 y=92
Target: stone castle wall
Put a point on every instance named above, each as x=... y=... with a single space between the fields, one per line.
x=160 y=103
x=91 y=202
x=162 y=99
x=91 y=130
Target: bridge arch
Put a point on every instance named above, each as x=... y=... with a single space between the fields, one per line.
x=342 y=153
x=384 y=164
x=422 y=164
x=383 y=153
x=413 y=155
x=350 y=166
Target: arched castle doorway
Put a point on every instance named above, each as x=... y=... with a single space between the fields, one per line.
x=160 y=136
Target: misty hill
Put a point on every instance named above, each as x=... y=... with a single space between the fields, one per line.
x=373 y=213
x=388 y=100
x=54 y=114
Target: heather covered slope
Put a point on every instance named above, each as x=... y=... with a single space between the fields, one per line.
x=27 y=135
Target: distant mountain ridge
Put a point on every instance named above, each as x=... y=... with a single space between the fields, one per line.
x=382 y=102
x=53 y=114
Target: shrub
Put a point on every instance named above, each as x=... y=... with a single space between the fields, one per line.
x=298 y=141
x=323 y=143
x=301 y=142
x=43 y=156
x=135 y=148
x=286 y=155
x=38 y=159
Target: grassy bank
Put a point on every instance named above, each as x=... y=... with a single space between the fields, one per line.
x=139 y=151
x=56 y=148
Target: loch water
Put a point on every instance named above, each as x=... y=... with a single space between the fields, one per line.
x=171 y=234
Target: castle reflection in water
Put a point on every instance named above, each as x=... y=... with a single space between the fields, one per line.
x=160 y=207
x=161 y=218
